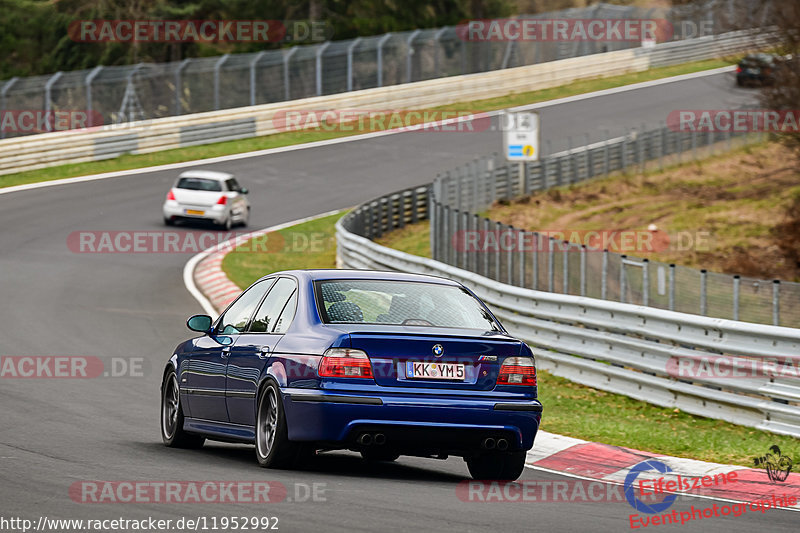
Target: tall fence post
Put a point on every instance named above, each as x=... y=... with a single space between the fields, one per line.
x=566 y=249
x=379 y=51
x=287 y=84
x=583 y=270
x=318 y=64
x=253 y=65
x=736 y=282
x=776 y=302
x=604 y=277
x=510 y=255
x=3 y=92
x=550 y=265
x=350 y=49
x=218 y=65
x=179 y=85
x=498 y=227
x=622 y=288
x=48 y=100
x=89 y=103
x=645 y=282
x=410 y=54
x=485 y=251
x=521 y=256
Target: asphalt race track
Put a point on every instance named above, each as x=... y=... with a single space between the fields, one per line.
x=55 y=432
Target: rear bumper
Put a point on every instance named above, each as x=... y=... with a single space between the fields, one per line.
x=176 y=211
x=446 y=423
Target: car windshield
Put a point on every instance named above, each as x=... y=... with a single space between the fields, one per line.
x=402 y=303
x=199 y=184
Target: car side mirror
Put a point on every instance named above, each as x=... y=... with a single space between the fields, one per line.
x=201 y=323
x=245 y=190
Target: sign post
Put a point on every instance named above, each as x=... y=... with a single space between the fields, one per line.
x=521 y=140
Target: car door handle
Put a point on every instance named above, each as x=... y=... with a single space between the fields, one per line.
x=226 y=351
x=263 y=352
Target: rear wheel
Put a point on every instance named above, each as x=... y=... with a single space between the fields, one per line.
x=168 y=221
x=172 y=432
x=497 y=466
x=228 y=223
x=273 y=447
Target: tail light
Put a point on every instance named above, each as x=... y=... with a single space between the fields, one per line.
x=518 y=371
x=223 y=200
x=170 y=195
x=738 y=69
x=345 y=363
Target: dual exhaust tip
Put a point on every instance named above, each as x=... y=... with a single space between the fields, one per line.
x=367 y=439
x=491 y=444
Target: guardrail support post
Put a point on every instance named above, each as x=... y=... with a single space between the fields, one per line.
x=703 y=294
x=645 y=282
x=622 y=278
x=566 y=249
x=217 y=66
x=583 y=270
x=476 y=252
x=438 y=50
x=510 y=255
x=672 y=286
x=736 y=282
x=550 y=265
x=776 y=302
x=485 y=251
x=498 y=227
x=521 y=257
x=535 y=261
x=604 y=277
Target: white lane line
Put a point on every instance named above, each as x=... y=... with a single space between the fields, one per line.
x=360 y=137
x=188 y=269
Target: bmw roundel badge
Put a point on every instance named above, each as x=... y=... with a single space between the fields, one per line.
x=438 y=350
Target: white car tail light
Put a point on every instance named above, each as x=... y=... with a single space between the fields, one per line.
x=518 y=371
x=345 y=363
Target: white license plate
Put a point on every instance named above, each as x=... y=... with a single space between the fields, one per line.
x=451 y=371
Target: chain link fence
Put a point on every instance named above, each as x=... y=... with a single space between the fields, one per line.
x=461 y=238
x=118 y=94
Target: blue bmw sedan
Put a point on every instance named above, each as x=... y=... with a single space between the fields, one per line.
x=382 y=363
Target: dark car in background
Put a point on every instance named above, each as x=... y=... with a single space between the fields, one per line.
x=758 y=69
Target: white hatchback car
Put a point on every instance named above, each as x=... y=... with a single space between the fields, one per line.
x=207 y=195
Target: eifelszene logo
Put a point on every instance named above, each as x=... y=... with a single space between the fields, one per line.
x=777 y=465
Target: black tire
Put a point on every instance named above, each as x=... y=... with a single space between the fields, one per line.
x=378 y=454
x=168 y=222
x=497 y=466
x=273 y=447
x=172 y=432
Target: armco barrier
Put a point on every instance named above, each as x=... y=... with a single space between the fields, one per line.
x=76 y=146
x=621 y=348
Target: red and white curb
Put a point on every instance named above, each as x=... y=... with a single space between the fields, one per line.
x=208 y=283
x=601 y=462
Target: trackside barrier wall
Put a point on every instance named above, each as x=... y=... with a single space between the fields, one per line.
x=617 y=347
x=77 y=146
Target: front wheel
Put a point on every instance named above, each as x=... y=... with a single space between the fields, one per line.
x=273 y=447
x=497 y=466
x=172 y=432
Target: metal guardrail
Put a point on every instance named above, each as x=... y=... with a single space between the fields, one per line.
x=622 y=348
x=75 y=146
x=539 y=261
x=119 y=94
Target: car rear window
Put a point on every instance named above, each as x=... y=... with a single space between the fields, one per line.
x=199 y=184
x=401 y=303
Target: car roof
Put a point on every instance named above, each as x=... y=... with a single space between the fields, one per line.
x=342 y=274
x=207 y=174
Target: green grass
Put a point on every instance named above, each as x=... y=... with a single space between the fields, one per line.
x=206 y=151
x=311 y=244
x=569 y=408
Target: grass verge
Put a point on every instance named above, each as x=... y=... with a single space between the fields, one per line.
x=570 y=409
x=206 y=151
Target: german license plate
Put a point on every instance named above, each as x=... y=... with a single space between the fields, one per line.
x=451 y=371
x=195 y=212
